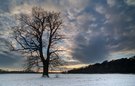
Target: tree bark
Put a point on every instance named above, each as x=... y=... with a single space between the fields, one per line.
x=45 y=66
x=45 y=69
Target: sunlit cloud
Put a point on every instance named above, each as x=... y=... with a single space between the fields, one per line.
x=74 y=66
x=130 y=2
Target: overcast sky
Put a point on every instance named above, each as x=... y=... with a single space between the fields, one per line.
x=98 y=29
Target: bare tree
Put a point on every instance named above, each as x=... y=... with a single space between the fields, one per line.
x=38 y=36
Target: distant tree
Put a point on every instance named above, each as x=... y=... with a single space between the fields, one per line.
x=37 y=37
x=105 y=62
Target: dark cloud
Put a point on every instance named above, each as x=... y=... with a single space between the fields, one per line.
x=8 y=59
x=115 y=26
x=92 y=52
x=5 y=6
x=8 y=5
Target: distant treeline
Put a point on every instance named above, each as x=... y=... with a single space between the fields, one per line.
x=2 y=71
x=124 y=65
x=6 y=71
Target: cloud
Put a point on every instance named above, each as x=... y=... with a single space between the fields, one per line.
x=100 y=9
x=130 y=2
x=92 y=51
x=111 y=2
x=111 y=32
x=97 y=29
x=4 y=6
x=8 y=59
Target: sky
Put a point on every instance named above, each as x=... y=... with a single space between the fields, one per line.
x=97 y=30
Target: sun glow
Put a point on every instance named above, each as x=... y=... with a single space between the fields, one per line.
x=74 y=66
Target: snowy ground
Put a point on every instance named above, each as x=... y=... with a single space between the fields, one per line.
x=67 y=80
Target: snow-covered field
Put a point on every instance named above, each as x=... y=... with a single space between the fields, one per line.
x=67 y=80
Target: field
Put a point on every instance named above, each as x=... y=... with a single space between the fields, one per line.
x=67 y=80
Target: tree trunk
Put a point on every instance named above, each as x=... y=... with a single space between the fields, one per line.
x=45 y=69
x=47 y=61
x=45 y=64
